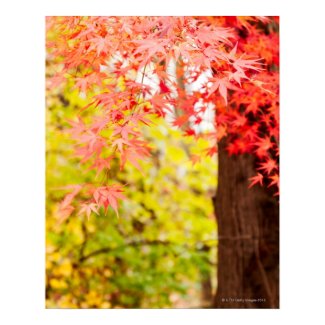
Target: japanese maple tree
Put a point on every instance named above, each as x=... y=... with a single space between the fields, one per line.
x=134 y=68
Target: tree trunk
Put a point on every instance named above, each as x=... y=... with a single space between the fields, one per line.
x=248 y=237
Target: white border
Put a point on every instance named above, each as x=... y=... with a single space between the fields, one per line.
x=22 y=161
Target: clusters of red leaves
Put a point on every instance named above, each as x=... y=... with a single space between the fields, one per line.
x=103 y=55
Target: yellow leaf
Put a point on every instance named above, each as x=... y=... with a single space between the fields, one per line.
x=58 y=284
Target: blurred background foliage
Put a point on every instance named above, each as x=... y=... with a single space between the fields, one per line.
x=161 y=252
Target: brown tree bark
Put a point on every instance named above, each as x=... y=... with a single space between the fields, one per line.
x=248 y=237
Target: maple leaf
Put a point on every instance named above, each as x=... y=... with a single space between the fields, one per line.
x=221 y=84
x=151 y=46
x=211 y=151
x=92 y=139
x=108 y=196
x=237 y=146
x=274 y=180
x=70 y=196
x=119 y=144
x=199 y=59
x=180 y=120
x=268 y=166
x=99 y=124
x=56 y=80
x=240 y=120
x=100 y=44
x=195 y=159
x=135 y=117
x=163 y=88
x=101 y=163
x=241 y=64
x=87 y=208
x=124 y=130
x=223 y=89
x=138 y=87
x=222 y=118
x=94 y=143
x=65 y=212
x=253 y=107
x=258 y=179
x=237 y=76
x=160 y=103
x=183 y=49
x=221 y=131
x=263 y=145
x=133 y=156
x=121 y=70
x=87 y=81
x=260 y=84
x=65 y=207
x=82 y=84
x=136 y=151
x=214 y=35
x=77 y=127
x=245 y=64
x=189 y=132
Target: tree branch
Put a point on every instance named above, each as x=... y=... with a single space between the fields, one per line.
x=156 y=242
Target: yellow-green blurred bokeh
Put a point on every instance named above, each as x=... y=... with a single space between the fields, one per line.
x=161 y=249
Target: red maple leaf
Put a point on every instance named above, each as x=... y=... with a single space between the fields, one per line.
x=65 y=207
x=256 y=179
x=119 y=143
x=180 y=120
x=268 y=166
x=163 y=88
x=87 y=208
x=108 y=196
x=151 y=46
x=92 y=52
x=274 y=180
x=125 y=130
x=263 y=145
